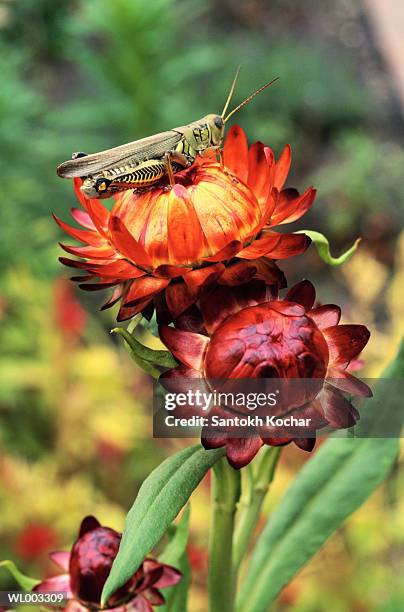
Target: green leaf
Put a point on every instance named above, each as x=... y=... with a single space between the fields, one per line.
x=175 y=554
x=145 y=357
x=332 y=485
x=323 y=248
x=26 y=582
x=160 y=498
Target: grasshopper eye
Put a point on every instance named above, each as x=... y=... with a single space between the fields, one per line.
x=218 y=121
x=101 y=184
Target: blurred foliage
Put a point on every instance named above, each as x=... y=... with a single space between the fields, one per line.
x=85 y=75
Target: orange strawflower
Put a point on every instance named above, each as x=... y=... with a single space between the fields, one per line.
x=214 y=225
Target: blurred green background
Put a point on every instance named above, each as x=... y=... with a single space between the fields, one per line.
x=75 y=427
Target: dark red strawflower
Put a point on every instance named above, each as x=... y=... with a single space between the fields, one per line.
x=249 y=332
x=88 y=565
x=215 y=225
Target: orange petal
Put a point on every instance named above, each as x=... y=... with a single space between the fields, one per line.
x=325 y=316
x=189 y=348
x=226 y=252
x=259 y=172
x=143 y=288
x=117 y=269
x=184 y=232
x=262 y=246
x=235 y=152
x=89 y=252
x=92 y=238
x=289 y=245
x=83 y=218
x=127 y=245
x=290 y=206
x=98 y=213
x=282 y=167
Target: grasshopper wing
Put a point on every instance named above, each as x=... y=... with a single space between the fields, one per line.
x=132 y=152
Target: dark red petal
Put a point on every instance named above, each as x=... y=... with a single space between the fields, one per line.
x=235 y=152
x=88 y=237
x=179 y=297
x=98 y=286
x=338 y=411
x=348 y=383
x=154 y=596
x=306 y=444
x=282 y=167
x=89 y=523
x=240 y=451
x=115 y=297
x=201 y=276
x=303 y=293
x=325 y=316
x=289 y=245
x=189 y=348
x=143 y=288
x=169 y=577
x=277 y=441
x=238 y=273
x=345 y=342
x=127 y=312
x=168 y=271
x=127 y=245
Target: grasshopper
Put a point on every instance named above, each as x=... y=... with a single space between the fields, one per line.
x=143 y=163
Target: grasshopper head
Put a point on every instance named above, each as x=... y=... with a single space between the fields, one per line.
x=216 y=125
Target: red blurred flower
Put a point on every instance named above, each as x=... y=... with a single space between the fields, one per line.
x=247 y=332
x=214 y=225
x=70 y=316
x=34 y=540
x=88 y=565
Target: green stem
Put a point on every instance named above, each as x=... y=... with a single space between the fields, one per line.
x=221 y=579
x=254 y=489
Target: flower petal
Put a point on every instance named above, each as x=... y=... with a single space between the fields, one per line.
x=326 y=315
x=103 y=252
x=289 y=245
x=348 y=383
x=226 y=252
x=306 y=444
x=258 y=172
x=88 y=237
x=61 y=558
x=260 y=247
x=201 y=276
x=282 y=167
x=238 y=273
x=184 y=231
x=303 y=293
x=189 y=348
x=345 y=342
x=98 y=213
x=291 y=206
x=83 y=218
x=240 y=451
x=59 y=583
x=169 y=577
x=127 y=245
x=144 y=288
x=179 y=297
x=235 y=152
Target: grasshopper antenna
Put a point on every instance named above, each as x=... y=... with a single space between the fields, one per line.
x=250 y=97
x=229 y=97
